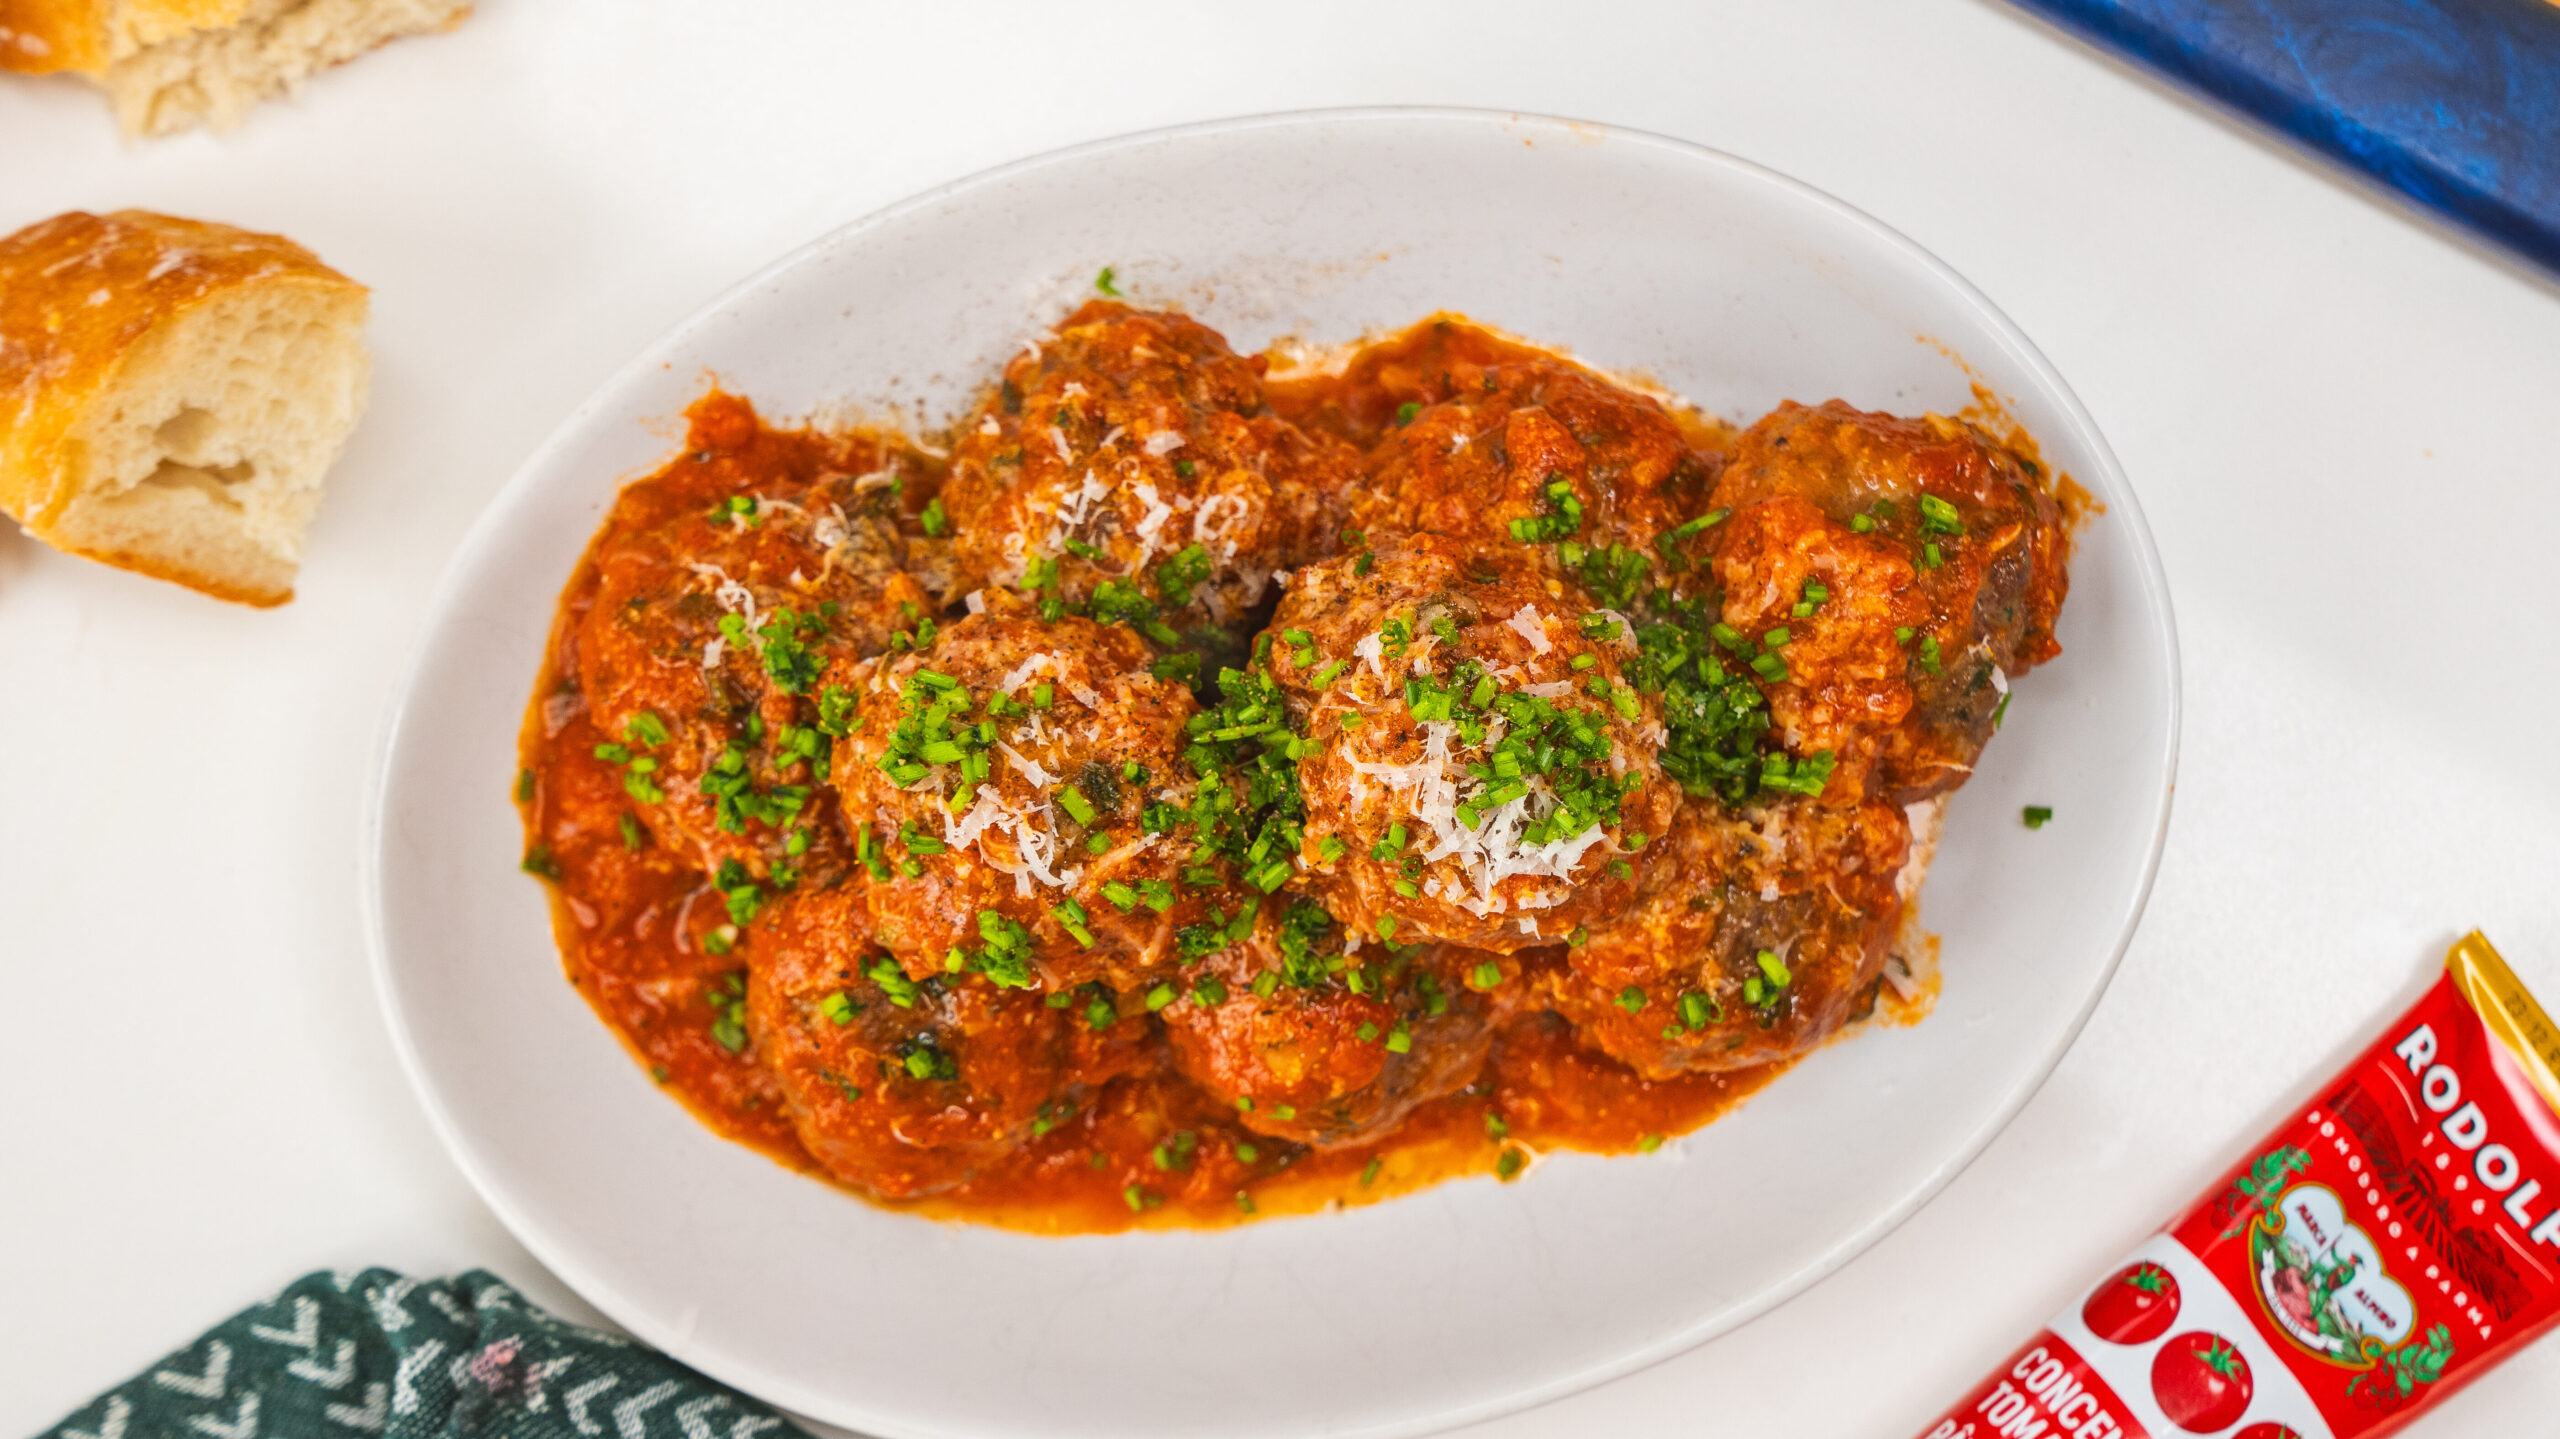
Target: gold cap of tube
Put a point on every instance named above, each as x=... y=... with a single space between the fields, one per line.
x=2508 y=1012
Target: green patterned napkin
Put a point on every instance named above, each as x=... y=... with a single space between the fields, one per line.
x=345 y=1356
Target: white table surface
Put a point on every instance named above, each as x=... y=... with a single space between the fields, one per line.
x=2344 y=422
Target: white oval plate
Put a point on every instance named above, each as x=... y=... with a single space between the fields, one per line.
x=1732 y=285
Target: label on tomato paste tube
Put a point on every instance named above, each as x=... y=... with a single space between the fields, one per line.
x=2398 y=1235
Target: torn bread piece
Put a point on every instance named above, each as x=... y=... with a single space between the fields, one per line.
x=172 y=392
x=171 y=64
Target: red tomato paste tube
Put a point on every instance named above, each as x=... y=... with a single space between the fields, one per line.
x=2393 y=1239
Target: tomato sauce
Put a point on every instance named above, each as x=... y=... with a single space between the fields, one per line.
x=630 y=925
x=654 y=908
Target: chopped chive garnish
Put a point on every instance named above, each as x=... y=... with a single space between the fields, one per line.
x=2036 y=815
x=1696 y=1010
x=1073 y=800
x=1071 y=918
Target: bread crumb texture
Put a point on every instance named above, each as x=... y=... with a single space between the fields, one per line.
x=172 y=393
x=171 y=64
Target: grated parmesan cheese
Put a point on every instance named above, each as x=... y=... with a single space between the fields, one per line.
x=1213 y=524
x=1035 y=846
x=1014 y=678
x=1031 y=769
x=1531 y=626
x=1493 y=852
x=831 y=529
x=732 y=596
x=1164 y=442
x=1153 y=520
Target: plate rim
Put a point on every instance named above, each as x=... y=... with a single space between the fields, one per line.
x=2123 y=508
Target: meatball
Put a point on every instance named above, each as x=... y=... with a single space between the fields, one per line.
x=1524 y=447
x=1916 y=566
x=724 y=583
x=1481 y=770
x=1131 y=460
x=1307 y=1043
x=1761 y=931
x=997 y=783
x=902 y=1088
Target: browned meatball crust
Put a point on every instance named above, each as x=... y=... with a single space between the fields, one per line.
x=1761 y=931
x=1312 y=1044
x=1523 y=447
x=1133 y=448
x=900 y=1088
x=995 y=783
x=1482 y=772
x=716 y=606
x=1942 y=557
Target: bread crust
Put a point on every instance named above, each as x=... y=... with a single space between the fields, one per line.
x=167 y=65
x=39 y=37
x=79 y=295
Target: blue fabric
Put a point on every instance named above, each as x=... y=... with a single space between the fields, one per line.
x=2455 y=104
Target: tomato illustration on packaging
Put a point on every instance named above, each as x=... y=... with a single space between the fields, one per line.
x=2135 y=1307
x=2389 y=1241
x=2201 y=1382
